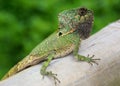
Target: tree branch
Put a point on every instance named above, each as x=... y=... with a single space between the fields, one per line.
x=104 y=45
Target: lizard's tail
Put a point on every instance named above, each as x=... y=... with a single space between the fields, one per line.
x=17 y=68
x=25 y=63
x=11 y=72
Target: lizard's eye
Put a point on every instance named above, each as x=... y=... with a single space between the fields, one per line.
x=60 y=33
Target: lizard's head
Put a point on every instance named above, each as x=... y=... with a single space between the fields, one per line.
x=77 y=20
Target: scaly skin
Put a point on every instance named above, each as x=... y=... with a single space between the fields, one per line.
x=74 y=25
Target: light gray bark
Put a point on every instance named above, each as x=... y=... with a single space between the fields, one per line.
x=104 y=45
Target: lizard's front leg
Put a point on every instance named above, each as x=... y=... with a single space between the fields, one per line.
x=49 y=73
x=83 y=58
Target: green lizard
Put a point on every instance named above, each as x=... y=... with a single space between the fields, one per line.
x=74 y=25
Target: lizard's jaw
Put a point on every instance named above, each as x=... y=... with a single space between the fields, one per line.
x=71 y=31
x=84 y=27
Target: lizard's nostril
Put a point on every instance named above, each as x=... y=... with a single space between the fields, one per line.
x=82 y=11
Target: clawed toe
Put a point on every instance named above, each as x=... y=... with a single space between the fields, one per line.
x=91 y=60
x=54 y=77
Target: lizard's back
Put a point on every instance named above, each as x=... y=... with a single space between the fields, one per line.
x=61 y=45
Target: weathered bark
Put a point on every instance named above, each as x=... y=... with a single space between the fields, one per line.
x=104 y=45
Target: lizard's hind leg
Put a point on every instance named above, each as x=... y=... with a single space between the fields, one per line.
x=49 y=73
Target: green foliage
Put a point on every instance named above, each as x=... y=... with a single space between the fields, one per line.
x=25 y=23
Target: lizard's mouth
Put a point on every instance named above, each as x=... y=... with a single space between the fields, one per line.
x=82 y=11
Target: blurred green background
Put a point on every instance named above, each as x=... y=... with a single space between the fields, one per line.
x=25 y=23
